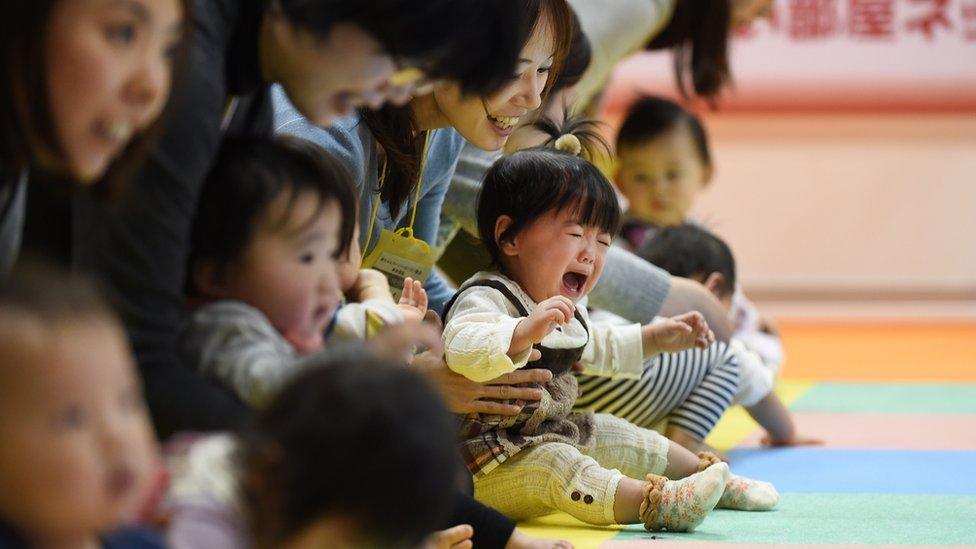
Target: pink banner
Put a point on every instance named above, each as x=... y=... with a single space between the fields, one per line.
x=900 y=55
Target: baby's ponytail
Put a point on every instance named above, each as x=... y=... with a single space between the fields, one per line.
x=575 y=135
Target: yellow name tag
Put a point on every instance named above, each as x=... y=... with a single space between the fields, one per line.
x=399 y=255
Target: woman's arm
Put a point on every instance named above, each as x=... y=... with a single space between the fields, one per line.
x=341 y=140
x=441 y=160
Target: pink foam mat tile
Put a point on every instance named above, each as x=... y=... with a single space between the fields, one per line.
x=668 y=544
x=883 y=431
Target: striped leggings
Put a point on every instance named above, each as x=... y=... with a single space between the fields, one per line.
x=690 y=390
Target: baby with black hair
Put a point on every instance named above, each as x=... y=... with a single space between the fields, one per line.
x=664 y=163
x=547 y=217
x=273 y=256
x=351 y=453
x=693 y=252
x=78 y=451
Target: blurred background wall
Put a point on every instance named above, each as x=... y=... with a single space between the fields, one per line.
x=845 y=158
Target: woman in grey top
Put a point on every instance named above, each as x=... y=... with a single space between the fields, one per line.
x=105 y=79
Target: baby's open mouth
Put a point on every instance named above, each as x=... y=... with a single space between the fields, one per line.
x=574 y=283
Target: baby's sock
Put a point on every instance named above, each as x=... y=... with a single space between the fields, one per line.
x=741 y=493
x=746 y=494
x=681 y=505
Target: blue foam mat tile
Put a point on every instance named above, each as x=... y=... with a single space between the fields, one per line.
x=818 y=470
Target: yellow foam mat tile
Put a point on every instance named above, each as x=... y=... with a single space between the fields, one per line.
x=736 y=424
x=563 y=526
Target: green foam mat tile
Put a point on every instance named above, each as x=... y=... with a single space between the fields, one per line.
x=868 y=519
x=895 y=398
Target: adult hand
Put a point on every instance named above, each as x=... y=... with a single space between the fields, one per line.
x=463 y=396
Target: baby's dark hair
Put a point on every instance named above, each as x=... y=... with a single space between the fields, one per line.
x=530 y=183
x=691 y=251
x=249 y=174
x=357 y=438
x=652 y=116
x=37 y=289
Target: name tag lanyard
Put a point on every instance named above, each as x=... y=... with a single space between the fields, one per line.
x=398 y=254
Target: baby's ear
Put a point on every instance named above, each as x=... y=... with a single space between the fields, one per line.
x=707 y=173
x=507 y=245
x=209 y=279
x=715 y=283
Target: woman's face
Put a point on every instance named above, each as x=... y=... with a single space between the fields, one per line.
x=109 y=64
x=488 y=122
x=328 y=76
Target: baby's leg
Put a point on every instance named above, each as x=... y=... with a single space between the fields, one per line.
x=636 y=451
x=672 y=386
x=698 y=414
x=557 y=477
x=550 y=477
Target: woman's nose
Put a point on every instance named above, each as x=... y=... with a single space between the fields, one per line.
x=147 y=88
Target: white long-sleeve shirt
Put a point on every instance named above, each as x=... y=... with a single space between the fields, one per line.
x=479 y=327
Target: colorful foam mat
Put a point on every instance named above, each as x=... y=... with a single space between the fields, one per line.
x=896 y=409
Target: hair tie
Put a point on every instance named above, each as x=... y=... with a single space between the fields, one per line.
x=568 y=142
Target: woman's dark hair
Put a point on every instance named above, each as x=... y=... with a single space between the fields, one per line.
x=528 y=184
x=27 y=130
x=472 y=42
x=577 y=59
x=395 y=129
x=691 y=251
x=652 y=116
x=698 y=34
x=353 y=437
x=248 y=176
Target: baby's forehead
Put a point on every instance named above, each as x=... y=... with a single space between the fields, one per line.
x=572 y=216
x=24 y=354
x=36 y=348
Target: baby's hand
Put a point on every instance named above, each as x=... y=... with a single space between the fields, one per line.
x=370 y=284
x=413 y=301
x=542 y=320
x=796 y=440
x=677 y=334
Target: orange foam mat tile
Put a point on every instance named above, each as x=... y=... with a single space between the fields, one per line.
x=880 y=352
